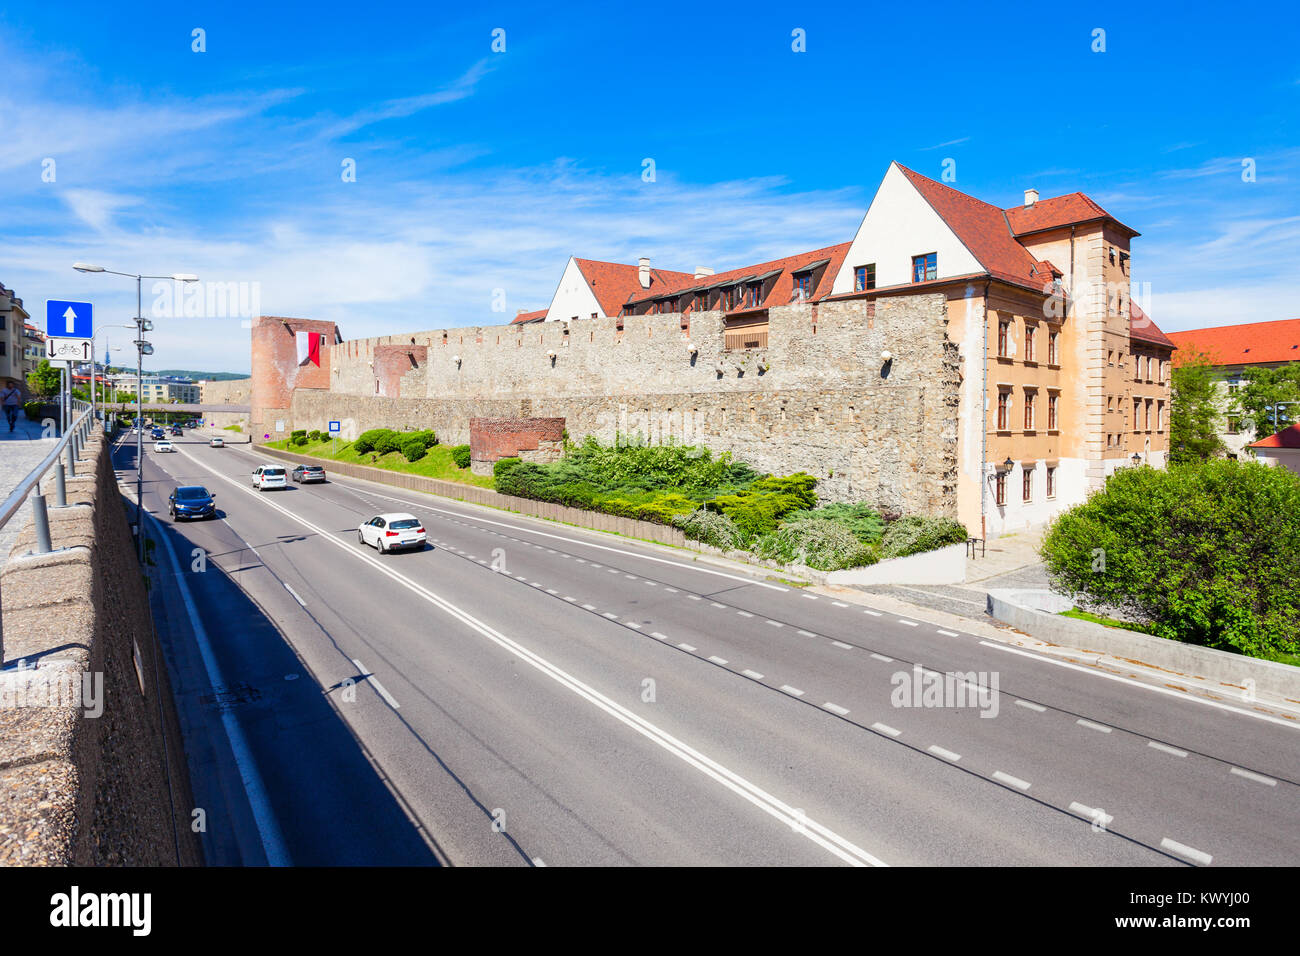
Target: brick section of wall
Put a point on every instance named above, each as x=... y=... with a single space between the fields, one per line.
x=276 y=372
x=392 y=362
x=533 y=439
x=74 y=789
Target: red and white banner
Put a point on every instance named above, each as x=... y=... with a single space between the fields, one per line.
x=309 y=347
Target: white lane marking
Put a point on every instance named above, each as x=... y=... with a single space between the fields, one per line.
x=374 y=681
x=670 y=590
x=537 y=861
x=611 y=615
x=903 y=620
x=1091 y=726
x=589 y=607
x=948 y=633
x=612 y=570
x=941 y=752
x=633 y=624
x=839 y=603
x=1008 y=779
x=882 y=657
x=835 y=708
x=811 y=597
x=871 y=612
x=1149 y=687
x=754 y=674
x=885 y=729
x=259 y=802
x=581 y=560
x=807 y=633
x=793 y=691
x=595 y=565
x=788 y=816
x=718 y=660
x=662 y=637
x=570 y=597
x=1251 y=775
x=847 y=647
x=1165 y=748
x=776 y=623
x=687 y=647
x=626 y=575
x=1028 y=705
x=649 y=584
x=1094 y=814
x=716 y=604
x=294 y=593
x=741 y=613
x=1182 y=849
x=694 y=597
x=552 y=591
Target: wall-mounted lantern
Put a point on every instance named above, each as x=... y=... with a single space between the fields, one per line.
x=886 y=356
x=550 y=354
x=1136 y=459
x=456 y=359
x=1008 y=464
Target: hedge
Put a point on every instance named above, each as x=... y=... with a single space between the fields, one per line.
x=460 y=455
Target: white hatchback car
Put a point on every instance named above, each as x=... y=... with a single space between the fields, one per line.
x=392 y=532
x=270 y=476
x=162 y=446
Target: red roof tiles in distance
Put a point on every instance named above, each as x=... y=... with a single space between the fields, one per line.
x=614 y=283
x=1247 y=344
x=1143 y=328
x=1286 y=438
x=523 y=317
x=1057 y=212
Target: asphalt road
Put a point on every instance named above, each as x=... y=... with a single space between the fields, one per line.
x=525 y=693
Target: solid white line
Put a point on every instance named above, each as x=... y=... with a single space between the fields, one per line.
x=885 y=729
x=847 y=647
x=1014 y=781
x=687 y=647
x=1091 y=726
x=794 y=691
x=903 y=620
x=835 y=708
x=259 y=802
x=1198 y=856
x=1150 y=687
x=294 y=593
x=374 y=681
x=817 y=833
x=718 y=660
x=1030 y=706
x=882 y=657
x=1165 y=748
x=1251 y=775
x=754 y=674
x=945 y=754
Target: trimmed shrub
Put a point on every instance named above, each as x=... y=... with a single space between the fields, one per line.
x=365 y=442
x=711 y=528
x=414 y=448
x=460 y=455
x=1209 y=553
x=863 y=520
x=387 y=443
x=915 y=534
x=818 y=543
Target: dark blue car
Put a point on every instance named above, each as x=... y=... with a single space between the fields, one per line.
x=191 y=501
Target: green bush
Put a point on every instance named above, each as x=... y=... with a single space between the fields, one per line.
x=1209 y=553
x=863 y=520
x=316 y=435
x=387 y=443
x=504 y=465
x=460 y=455
x=366 y=440
x=33 y=410
x=710 y=527
x=414 y=448
x=818 y=543
x=916 y=534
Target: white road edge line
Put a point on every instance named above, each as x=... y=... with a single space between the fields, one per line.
x=379 y=688
x=827 y=839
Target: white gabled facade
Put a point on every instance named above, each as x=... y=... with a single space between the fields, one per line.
x=900 y=224
x=573 y=298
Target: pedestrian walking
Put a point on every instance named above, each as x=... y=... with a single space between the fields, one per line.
x=9 y=399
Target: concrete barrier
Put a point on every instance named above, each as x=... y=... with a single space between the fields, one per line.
x=1036 y=613
x=79 y=787
x=945 y=565
x=595 y=520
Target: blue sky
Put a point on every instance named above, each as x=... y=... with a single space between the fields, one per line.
x=478 y=171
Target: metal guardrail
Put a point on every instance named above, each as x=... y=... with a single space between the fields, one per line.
x=63 y=457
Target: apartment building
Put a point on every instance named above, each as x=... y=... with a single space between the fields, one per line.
x=13 y=321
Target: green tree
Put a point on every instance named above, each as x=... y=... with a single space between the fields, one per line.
x=45 y=380
x=1264 y=388
x=1194 y=411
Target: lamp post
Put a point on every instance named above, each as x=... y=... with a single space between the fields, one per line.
x=142 y=348
x=94 y=335
x=1274 y=409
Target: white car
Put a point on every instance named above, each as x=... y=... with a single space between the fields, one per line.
x=162 y=446
x=392 y=532
x=218 y=442
x=270 y=476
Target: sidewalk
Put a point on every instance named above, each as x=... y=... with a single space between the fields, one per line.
x=20 y=451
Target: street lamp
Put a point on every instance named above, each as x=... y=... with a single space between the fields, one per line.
x=1136 y=459
x=93 y=335
x=142 y=348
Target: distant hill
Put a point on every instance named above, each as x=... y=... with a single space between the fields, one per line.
x=210 y=376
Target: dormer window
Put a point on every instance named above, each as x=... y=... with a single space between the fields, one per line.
x=925 y=267
x=802 y=286
x=754 y=294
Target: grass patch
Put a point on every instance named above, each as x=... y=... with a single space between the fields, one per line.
x=437 y=462
x=233 y=428
x=1106 y=621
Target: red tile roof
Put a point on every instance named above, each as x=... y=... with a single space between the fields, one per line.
x=781 y=289
x=1245 y=344
x=1142 y=328
x=983 y=229
x=614 y=283
x=523 y=317
x=1056 y=212
x=1286 y=438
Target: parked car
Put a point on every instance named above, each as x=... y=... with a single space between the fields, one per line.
x=163 y=446
x=217 y=442
x=392 y=532
x=269 y=476
x=191 y=501
x=308 y=473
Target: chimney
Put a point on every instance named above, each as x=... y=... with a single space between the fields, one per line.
x=644 y=272
x=1031 y=196
x=702 y=271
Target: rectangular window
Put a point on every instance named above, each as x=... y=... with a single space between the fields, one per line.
x=1001 y=488
x=925 y=267
x=1029 y=411
x=1051 y=482
x=732 y=296
x=702 y=302
x=864 y=277
x=1051 y=412
x=1146 y=415
x=1004 y=410
x=1160 y=416
x=1052 y=356
x=1027 y=484
x=1004 y=339
x=1029 y=343
x=1137 y=404
x=802 y=286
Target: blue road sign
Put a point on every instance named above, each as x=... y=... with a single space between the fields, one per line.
x=335 y=428
x=72 y=320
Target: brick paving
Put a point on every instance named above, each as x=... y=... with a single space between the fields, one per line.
x=20 y=452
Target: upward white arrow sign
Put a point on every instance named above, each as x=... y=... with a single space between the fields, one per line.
x=70 y=318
